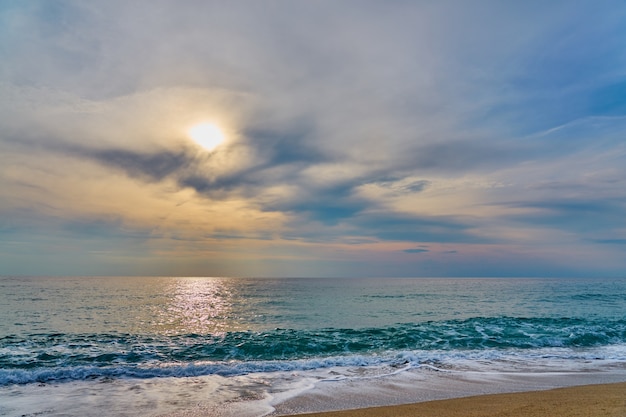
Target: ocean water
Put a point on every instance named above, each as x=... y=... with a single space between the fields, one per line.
x=155 y=346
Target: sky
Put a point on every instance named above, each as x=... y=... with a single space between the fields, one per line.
x=361 y=138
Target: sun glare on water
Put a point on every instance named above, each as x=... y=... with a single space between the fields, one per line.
x=207 y=135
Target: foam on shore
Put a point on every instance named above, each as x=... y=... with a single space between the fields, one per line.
x=414 y=387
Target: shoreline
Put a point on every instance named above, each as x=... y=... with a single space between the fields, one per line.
x=424 y=387
x=425 y=393
x=575 y=401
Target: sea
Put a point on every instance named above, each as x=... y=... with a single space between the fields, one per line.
x=252 y=347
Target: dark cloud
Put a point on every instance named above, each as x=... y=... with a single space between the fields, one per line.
x=151 y=166
x=417 y=186
x=396 y=184
x=417 y=250
x=273 y=150
x=280 y=158
x=405 y=227
x=328 y=205
x=286 y=145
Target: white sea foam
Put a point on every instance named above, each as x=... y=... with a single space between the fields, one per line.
x=417 y=385
x=506 y=360
x=355 y=382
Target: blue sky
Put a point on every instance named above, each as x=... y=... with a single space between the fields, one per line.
x=361 y=138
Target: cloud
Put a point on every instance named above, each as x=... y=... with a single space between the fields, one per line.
x=415 y=250
x=414 y=228
x=575 y=215
x=152 y=167
x=474 y=127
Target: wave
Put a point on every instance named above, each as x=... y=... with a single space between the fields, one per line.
x=544 y=359
x=59 y=357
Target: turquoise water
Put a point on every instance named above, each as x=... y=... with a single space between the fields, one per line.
x=60 y=330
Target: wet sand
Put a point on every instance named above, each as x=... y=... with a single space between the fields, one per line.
x=588 y=401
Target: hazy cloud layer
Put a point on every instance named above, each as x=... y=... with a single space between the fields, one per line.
x=403 y=138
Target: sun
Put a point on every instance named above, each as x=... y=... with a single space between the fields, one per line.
x=208 y=135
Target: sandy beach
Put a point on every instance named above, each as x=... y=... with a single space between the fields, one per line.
x=588 y=401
